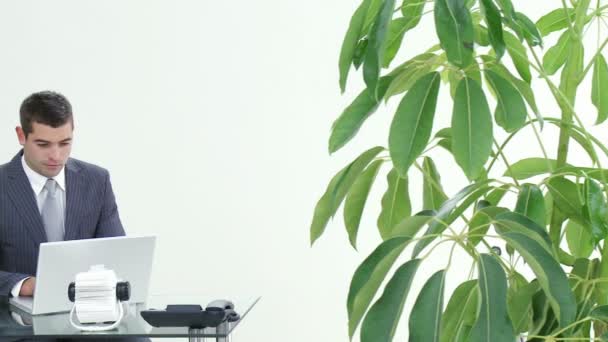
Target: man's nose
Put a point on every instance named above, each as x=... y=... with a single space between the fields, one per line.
x=55 y=153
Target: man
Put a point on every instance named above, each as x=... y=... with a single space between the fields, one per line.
x=47 y=196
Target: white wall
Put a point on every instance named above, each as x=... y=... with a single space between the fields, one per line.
x=213 y=118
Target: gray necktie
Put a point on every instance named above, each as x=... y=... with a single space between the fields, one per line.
x=52 y=216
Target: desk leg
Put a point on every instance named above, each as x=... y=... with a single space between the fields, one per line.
x=195 y=338
x=222 y=328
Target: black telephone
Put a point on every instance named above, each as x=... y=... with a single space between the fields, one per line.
x=192 y=316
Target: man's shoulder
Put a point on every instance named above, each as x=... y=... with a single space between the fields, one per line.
x=3 y=168
x=91 y=169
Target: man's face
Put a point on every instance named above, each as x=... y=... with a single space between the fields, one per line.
x=46 y=149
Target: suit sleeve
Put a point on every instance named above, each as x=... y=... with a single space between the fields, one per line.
x=8 y=280
x=109 y=221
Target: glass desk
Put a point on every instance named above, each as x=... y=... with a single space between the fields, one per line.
x=15 y=324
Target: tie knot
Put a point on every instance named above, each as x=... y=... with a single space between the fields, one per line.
x=51 y=187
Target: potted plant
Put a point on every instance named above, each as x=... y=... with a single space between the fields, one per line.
x=534 y=232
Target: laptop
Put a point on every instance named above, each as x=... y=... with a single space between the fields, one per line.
x=59 y=262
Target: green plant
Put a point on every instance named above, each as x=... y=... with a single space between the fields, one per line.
x=557 y=220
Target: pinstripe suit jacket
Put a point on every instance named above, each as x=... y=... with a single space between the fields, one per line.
x=90 y=212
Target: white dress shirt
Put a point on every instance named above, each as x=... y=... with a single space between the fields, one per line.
x=37 y=181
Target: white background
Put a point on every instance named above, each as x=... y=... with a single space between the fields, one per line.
x=213 y=119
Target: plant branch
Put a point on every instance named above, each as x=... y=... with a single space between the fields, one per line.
x=570 y=23
x=428 y=177
x=572 y=325
x=590 y=64
x=504 y=144
x=504 y=159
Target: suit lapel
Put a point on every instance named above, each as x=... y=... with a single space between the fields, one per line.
x=21 y=193
x=74 y=185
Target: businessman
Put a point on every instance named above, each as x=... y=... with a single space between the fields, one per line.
x=47 y=196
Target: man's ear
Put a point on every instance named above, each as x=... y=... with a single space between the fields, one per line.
x=20 y=135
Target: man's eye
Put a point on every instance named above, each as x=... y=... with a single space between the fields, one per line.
x=64 y=143
x=43 y=144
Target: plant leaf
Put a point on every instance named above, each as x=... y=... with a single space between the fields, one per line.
x=480 y=223
x=381 y=321
x=531 y=203
x=410 y=226
x=481 y=35
x=368 y=277
x=541 y=310
x=509 y=17
x=446 y=144
x=450 y=211
x=585 y=143
x=356 y=198
x=528 y=29
x=473 y=71
x=497 y=194
x=580 y=241
x=413 y=122
x=372 y=14
x=555 y=20
x=530 y=167
x=494 y=22
x=596 y=210
x=600 y=313
x=524 y=88
x=471 y=127
x=549 y=273
x=412 y=12
x=493 y=323
x=455 y=31
x=412 y=8
x=515 y=222
x=353 y=35
x=360 y=52
x=397 y=29
x=602 y=287
x=460 y=313
x=557 y=55
x=374 y=54
x=599 y=88
x=566 y=196
x=445 y=132
x=519 y=56
x=336 y=191
x=395 y=203
x=432 y=192
x=409 y=72
x=510 y=111
x=352 y=118
x=582 y=270
x=591 y=172
x=571 y=75
x=425 y=319
x=454 y=77
x=507 y=8
x=519 y=302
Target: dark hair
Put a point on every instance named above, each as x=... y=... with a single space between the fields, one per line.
x=45 y=107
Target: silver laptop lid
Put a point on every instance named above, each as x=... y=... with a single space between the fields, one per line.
x=59 y=262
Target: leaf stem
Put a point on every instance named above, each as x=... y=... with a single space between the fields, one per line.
x=570 y=24
x=504 y=159
x=572 y=325
x=597 y=53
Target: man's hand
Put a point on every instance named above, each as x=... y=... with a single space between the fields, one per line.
x=27 y=288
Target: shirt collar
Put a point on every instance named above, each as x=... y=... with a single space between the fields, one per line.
x=37 y=181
